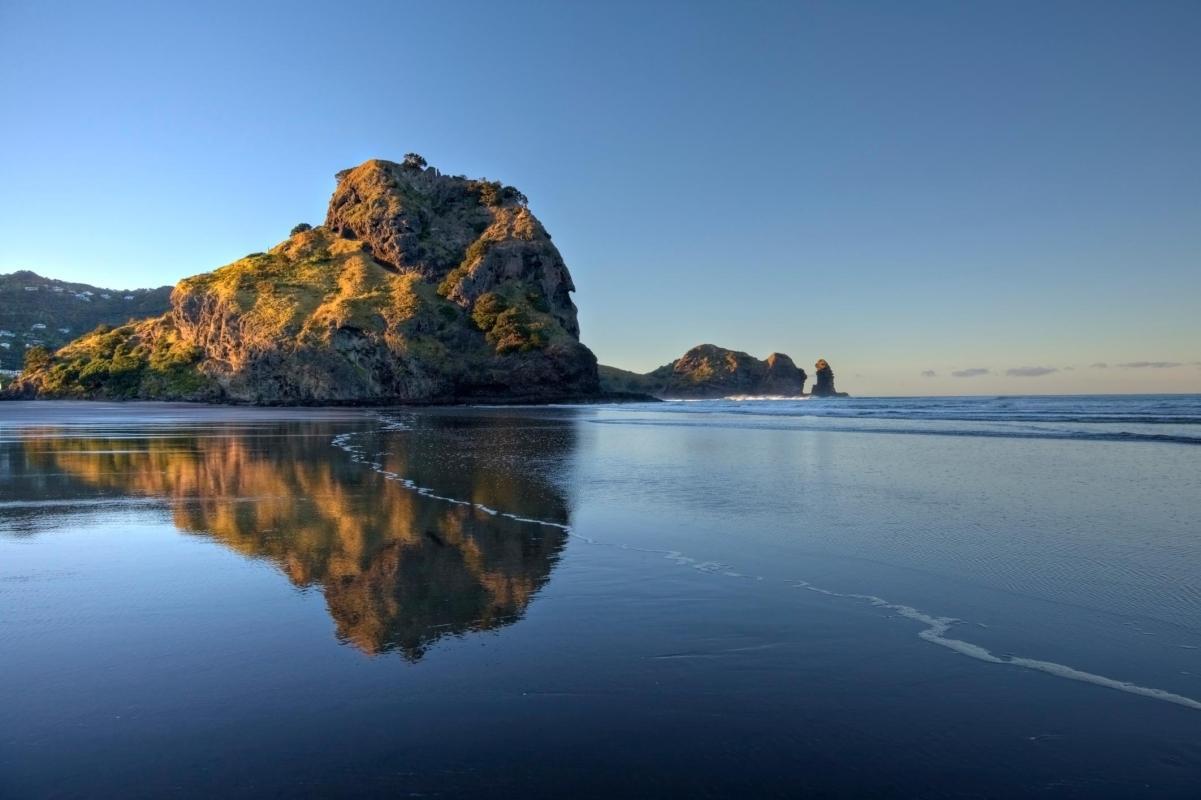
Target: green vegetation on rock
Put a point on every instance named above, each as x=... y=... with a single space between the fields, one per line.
x=513 y=322
x=137 y=360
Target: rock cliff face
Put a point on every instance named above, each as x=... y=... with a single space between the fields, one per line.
x=709 y=371
x=467 y=237
x=420 y=287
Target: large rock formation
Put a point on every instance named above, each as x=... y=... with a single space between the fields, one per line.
x=420 y=287
x=709 y=371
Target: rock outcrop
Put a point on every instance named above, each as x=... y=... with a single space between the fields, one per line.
x=420 y=287
x=824 y=381
x=709 y=371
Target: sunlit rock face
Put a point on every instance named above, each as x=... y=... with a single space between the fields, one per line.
x=469 y=237
x=398 y=571
x=709 y=371
x=420 y=287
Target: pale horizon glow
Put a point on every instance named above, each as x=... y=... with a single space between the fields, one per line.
x=938 y=198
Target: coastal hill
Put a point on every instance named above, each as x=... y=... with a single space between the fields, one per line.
x=709 y=371
x=37 y=311
x=419 y=287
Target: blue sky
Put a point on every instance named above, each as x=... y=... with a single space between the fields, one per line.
x=901 y=188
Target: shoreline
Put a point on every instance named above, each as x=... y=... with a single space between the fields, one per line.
x=523 y=400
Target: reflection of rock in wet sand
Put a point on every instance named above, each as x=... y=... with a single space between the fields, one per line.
x=398 y=571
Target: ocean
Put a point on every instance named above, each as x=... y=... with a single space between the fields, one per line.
x=866 y=597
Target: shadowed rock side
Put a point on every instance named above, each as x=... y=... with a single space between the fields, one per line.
x=420 y=287
x=398 y=571
x=709 y=371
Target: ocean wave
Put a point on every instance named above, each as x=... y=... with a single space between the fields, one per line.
x=939 y=430
x=1100 y=409
x=1163 y=419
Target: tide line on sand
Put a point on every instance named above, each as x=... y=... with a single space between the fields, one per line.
x=935 y=632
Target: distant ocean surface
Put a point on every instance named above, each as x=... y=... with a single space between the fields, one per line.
x=1167 y=418
x=861 y=597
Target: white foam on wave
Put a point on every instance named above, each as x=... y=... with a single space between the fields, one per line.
x=937 y=628
x=735 y=398
x=76 y=505
x=935 y=632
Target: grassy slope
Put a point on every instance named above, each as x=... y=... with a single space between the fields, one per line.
x=295 y=296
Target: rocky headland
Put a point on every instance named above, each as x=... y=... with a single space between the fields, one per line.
x=419 y=287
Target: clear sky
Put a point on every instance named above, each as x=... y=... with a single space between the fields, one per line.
x=901 y=188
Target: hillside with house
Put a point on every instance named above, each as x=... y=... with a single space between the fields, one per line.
x=42 y=311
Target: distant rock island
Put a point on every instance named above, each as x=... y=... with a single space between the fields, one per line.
x=708 y=372
x=419 y=287
x=43 y=312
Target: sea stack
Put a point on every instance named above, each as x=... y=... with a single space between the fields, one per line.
x=823 y=385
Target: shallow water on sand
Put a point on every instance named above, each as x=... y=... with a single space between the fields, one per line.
x=994 y=597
